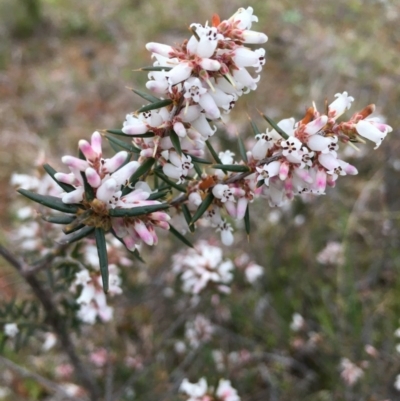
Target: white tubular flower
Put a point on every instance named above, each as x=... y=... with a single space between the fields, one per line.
x=244 y=18
x=223 y=192
x=11 y=329
x=194 y=390
x=194 y=89
x=178 y=167
x=161 y=49
x=340 y=105
x=198 y=331
x=179 y=73
x=375 y=132
x=268 y=171
x=134 y=126
x=253 y=37
x=245 y=80
x=226 y=392
x=208 y=42
x=226 y=233
x=202 y=126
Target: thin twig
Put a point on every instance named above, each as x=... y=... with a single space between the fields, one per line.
x=55 y=320
x=50 y=385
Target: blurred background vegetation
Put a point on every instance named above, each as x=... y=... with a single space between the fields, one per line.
x=64 y=69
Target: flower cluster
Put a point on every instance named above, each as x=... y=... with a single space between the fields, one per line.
x=202 y=266
x=201 y=392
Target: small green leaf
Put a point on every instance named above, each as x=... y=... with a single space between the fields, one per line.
x=49 y=201
x=176 y=142
x=121 y=133
x=238 y=168
x=276 y=127
x=156 y=68
x=156 y=105
x=117 y=145
x=142 y=169
x=178 y=235
x=260 y=183
x=146 y=96
x=254 y=127
x=61 y=219
x=242 y=149
x=51 y=172
x=137 y=211
x=76 y=236
x=197 y=159
x=103 y=257
x=159 y=194
x=202 y=207
x=197 y=169
x=163 y=177
x=247 y=220
x=187 y=216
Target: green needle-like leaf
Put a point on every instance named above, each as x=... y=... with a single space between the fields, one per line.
x=242 y=149
x=247 y=220
x=137 y=211
x=103 y=257
x=187 y=216
x=213 y=152
x=121 y=133
x=163 y=177
x=155 y=68
x=146 y=96
x=176 y=142
x=49 y=201
x=178 y=235
x=61 y=219
x=155 y=105
x=276 y=127
x=238 y=168
x=142 y=169
x=254 y=127
x=197 y=169
x=202 y=207
x=118 y=145
x=51 y=172
x=76 y=236
x=197 y=159
x=159 y=194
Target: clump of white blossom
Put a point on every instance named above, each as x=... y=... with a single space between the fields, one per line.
x=350 y=372
x=200 y=391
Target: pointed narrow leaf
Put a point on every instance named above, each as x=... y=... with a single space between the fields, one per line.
x=276 y=127
x=197 y=159
x=61 y=219
x=155 y=105
x=197 y=169
x=213 y=152
x=187 y=216
x=50 y=171
x=162 y=176
x=254 y=127
x=142 y=169
x=159 y=194
x=176 y=142
x=247 y=220
x=181 y=237
x=117 y=145
x=89 y=191
x=137 y=211
x=202 y=207
x=238 y=168
x=260 y=183
x=156 y=68
x=242 y=149
x=50 y=201
x=135 y=252
x=121 y=133
x=103 y=257
x=150 y=98
x=76 y=236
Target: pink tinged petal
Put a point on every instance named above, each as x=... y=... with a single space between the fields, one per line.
x=129 y=242
x=254 y=37
x=340 y=105
x=348 y=168
x=283 y=170
x=110 y=165
x=331 y=180
x=143 y=232
x=289 y=188
x=119 y=227
x=134 y=126
x=162 y=224
x=65 y=178
x=314 y=126
x=318 y=143
x=106 y=190
x=241 y=208
x=161 y=216
x=122 y=175
x=93 y=178
x=369 y=131
x=320 y=181
x=328 y=161
x=154 y=234
x=208 y=103
x=179 y=73
x=161 y=49
x=210 y=64
x=180 y=129
x=384 y=128
x=75 y=196
x=160 y=87
x=87 y=150
x=148 y=152
x=96 y=143
x=230 y=207
x=304 y=175
x=75 y=163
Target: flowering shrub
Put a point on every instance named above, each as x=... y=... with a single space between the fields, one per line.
x=166 y=174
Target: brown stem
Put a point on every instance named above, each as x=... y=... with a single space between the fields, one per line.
x=55 y=320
